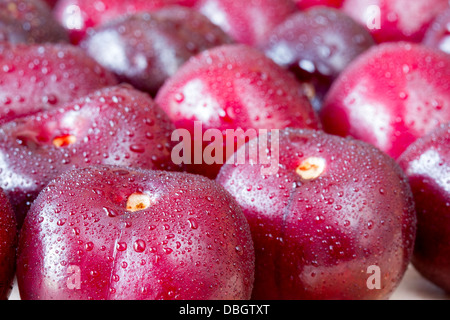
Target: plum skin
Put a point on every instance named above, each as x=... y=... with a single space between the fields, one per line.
x=389 y=96
x=316 y=239
x=147 y=40
x=192 y=242
x=78 y=17
x=247 y=22
x=29 y=21
x=438 y=34
x=399 y=20
x=44 y=76
x=253 y=93
x=426 y=163
x=306 y=4
x=8 y=242
x=100 y=124
x=317 y=45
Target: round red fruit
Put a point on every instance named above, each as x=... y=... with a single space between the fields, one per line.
x=427 y=165
x=336 y=220
x=121 y=234
x=389 y=96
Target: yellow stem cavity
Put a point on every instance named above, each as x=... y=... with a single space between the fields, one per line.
x=311 y=168
x=64 y=141
x=138 y=201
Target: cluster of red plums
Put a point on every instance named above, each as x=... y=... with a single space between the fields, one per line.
x=350 y=102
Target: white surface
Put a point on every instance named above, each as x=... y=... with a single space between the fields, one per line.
x=413 y=287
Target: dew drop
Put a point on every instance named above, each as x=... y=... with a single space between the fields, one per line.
x=99 y=192
x=50 y=99
x=121 y=246
x=8 y=68
x=137 y=148
x=193 y=223
x=110 y=212
x=139 y=245
x=405 y=68
x=239 y=250
x=179 y=97
x=403 y=95
x=89 y=246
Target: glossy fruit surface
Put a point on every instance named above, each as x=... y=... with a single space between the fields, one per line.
x=317 y=45
x=118 y=233
x=79 y=16
x=51 y=3
x=29 y=21
x=115 y=125
x=306 y=4
x=336 y=210
x=34 y=78
x=438 y=34
x=427 y=165
x=232 y=87
x=145 y=49
x=395 y=20
x=391 y=95
x=247 y=22
x=8 y=242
